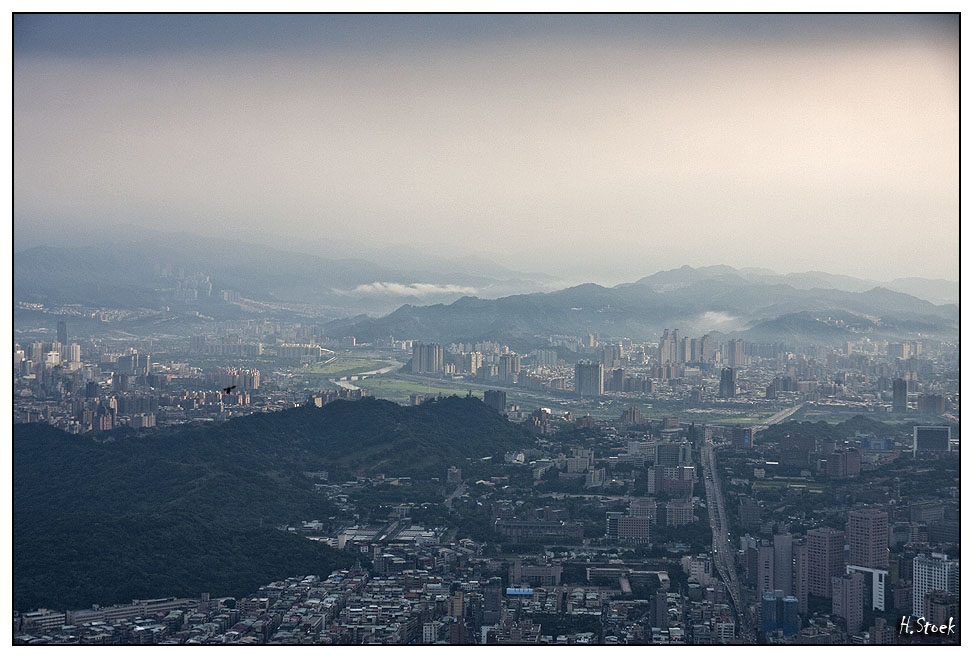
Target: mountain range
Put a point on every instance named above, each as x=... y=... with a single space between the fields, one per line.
x=124 y=273
x=466 y=300
x=696 y=301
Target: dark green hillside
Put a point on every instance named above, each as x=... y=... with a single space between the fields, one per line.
x=110 y=517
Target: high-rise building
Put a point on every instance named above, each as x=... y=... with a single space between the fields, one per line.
x=900 y=396
x=741 y=437
x=589 y=379
x=631 y=416
x=768 y=613
x=783 y=563
x=684 y=351
x=875 y=582
x=634 y=529
x=62 y=332
x=661 y=609
x=930 y=438
x=492 y=601
x=899 y=350
x=728 y=384
x=931 y=405
x=670 y=453
x=427 y=358
x=932 y=574
x=611 y=524
x=941 y=607
x=799 y=551
x=736 y=356
x=611 y=355
x=696 y=350
x=35 y=351
x=668 y=347
x=765 y=568
x=496 y=400
x=868 y=538
x=825 y=547
x=509 y=366
x=616 y=380
x=471 y=362
x=778 y=612
x=73 y=352
x=847 y=600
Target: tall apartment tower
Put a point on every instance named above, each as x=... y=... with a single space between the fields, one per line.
x=847 y=600
x=589 y=379
x=783 y=563
x=728 y=383
x=736 y=355
x=825 y=547
x=868 y=538
x=509 y=366
x=765 y=569
x=62 y=332
x=669 y=347
x=684 y=353
x=73 y=353
x=800 y=553
x=427 y=358
x=496 y=400
x=932 y=574
x=900 y=396
x=707 y=348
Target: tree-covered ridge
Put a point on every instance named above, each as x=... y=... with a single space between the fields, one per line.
x=119 y=515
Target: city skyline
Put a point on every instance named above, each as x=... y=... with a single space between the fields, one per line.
x=485 y=329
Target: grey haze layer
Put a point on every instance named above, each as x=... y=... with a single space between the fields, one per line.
x=591 y=147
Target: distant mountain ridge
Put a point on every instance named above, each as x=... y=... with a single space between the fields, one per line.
x=937 y=291
x=694 y=300
x=450 y=303
x=122 y=274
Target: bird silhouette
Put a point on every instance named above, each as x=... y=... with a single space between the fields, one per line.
x=228 y=389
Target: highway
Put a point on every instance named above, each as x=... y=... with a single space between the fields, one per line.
x=778 y=417
x=722 y=548
x=723 y=551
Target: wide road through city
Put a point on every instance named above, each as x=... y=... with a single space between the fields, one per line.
x=722 y=548
x=723 y=552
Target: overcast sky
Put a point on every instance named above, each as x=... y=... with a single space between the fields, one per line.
x=598 y=148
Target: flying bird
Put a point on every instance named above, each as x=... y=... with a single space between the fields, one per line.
x=228 y=389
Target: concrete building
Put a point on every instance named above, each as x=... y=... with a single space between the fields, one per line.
x=727 y=383
x=589 y=379
x=930 y=439
x=847 y=600
x=900 y=396
x=496 y=400
x=427 y=359
x=825 y=559
x=932 y=574
x=765 y=568
x=868 y=538
x=783 y=563
x=800 y=583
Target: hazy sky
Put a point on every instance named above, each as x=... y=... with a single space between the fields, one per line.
x=603 y=148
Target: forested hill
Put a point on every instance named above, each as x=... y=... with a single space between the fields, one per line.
x=107 y=517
